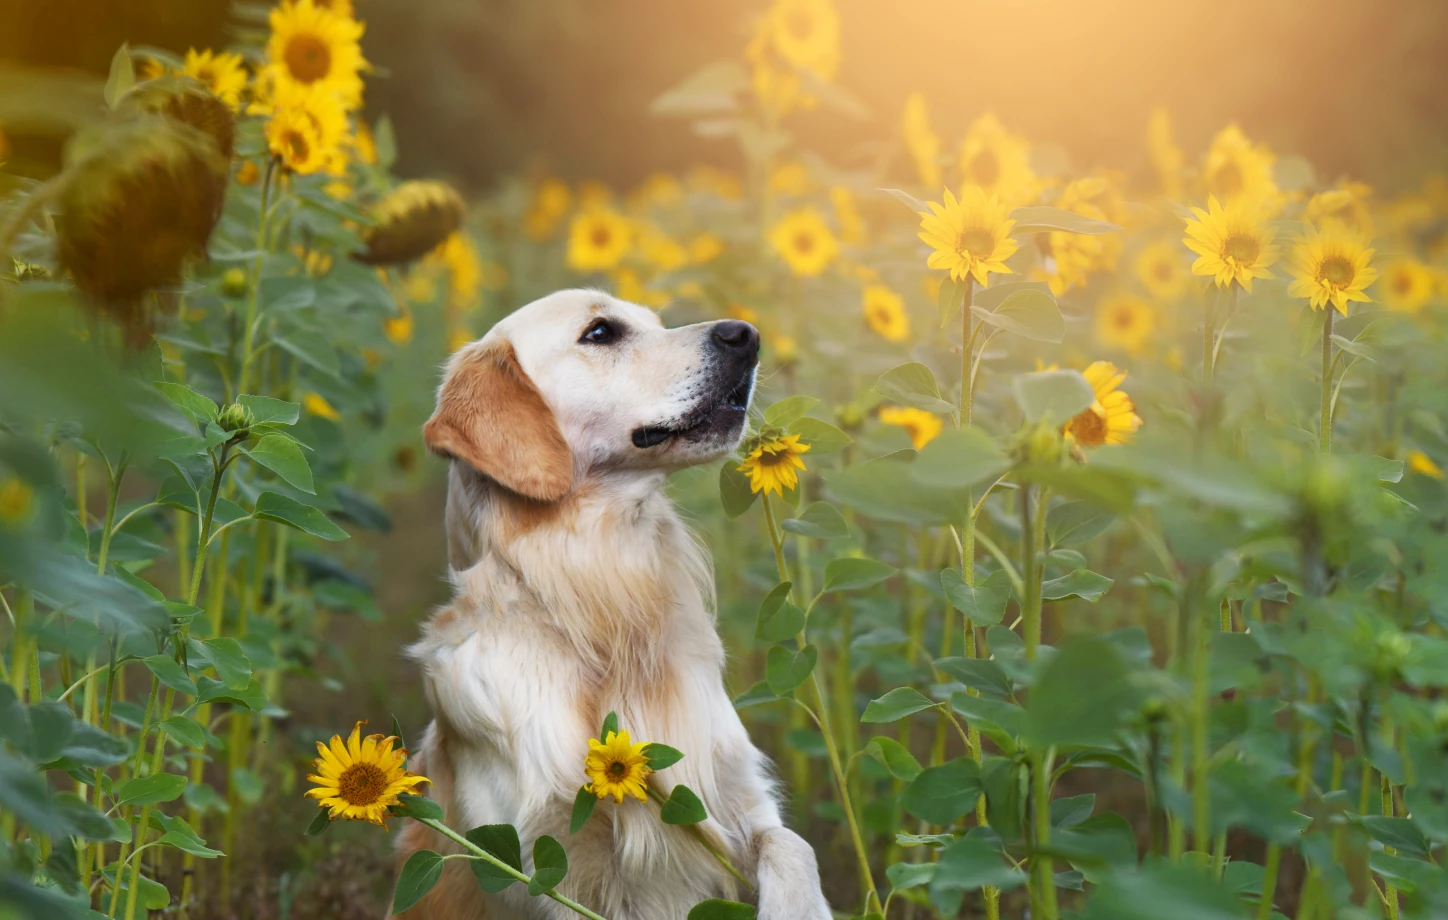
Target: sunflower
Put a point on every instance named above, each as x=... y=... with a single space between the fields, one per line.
x=704 y=248
x=805 y=242
x=1407 y=285
x=1111 y=418
x=311 y=45
x=597 y=239
x=662 y=252
x=970 y=235
x=307 y=129
x=921 y=140
x=551 y=200
x=222 y=73
x=1348 y=203
x=774 y=465
x=790 y=178
x=998 y=160
x=399 y=328
x=806 y=35
x=885 y=313
x=410 y=221
x=1076 y=256
x=1124 y=321
x=316 y=404
x=1420 y=462
x=617 y=767
x=1330 y=265
x=1233 y=243
x=1166 y=156
x=16 y=499
x=457 y=255
x=1236 y=169
x=1160 y=269
x=922 y=426
x=361 y=779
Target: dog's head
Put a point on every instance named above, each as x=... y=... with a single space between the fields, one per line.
x=580 y=381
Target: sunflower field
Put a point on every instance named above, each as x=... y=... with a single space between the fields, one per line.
x=1078 y=562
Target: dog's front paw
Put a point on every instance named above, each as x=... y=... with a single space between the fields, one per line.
x=789 y=878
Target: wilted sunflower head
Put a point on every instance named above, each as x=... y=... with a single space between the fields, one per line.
x=411 y=221
x=140 y=199
x=185 y=100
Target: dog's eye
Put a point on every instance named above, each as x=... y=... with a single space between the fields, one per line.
x=601 y=332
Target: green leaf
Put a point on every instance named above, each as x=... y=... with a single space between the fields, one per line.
x=273 y=506
x=886 y=489
x=894 y=756
x=268 y=411
x=282 y=456
x=1081 y=583
x=778 y=618
x=189 y=401
x=1082 y=696
x=913 y=385
x=970 y=864
x=710 y=90
x=251 y=695
x=1399 y=833
x=170 y=674
x=820 y=520
x=419 y=874
x=417 y=806
x=1358 y=349
x=784 y=669
x=758 y=693
x=320 y=823
x=501 y=842
x=229 y=660
x=148 y=790
x=940 y=795
x=1072 y=523
x=983 y=604
x=1029 y=313
x=1159 y=890
x=992 y=297
x=188 y=844
x=1069 y=812
x=610 y=726
x=788 y=410
x=959 y=458
x=550 y=865
x=683 y=807
x=852 y=574
x=583 y=805
x=980 y=674
x=950 y=299
x=661 y=756
x=904 y=875
x=822 y=437
x=1053 y=396
x=1041 y=219
x=734 y=489
x=908 y=200
x=1387 y=470
x=718 y=909
x=186 y=731
x=896 y=705
x=120 y=80
x=312 y=348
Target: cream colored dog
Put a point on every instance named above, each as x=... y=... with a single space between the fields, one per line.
x=578 y=591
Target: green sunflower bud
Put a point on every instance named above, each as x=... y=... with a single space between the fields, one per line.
x=234 y=283
x=412 y=221
x=1390 y=652
x=187 y=101
x=236 y=419
x=850 y=416
x=1039 y=444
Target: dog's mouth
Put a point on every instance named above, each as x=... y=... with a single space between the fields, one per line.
x=718 y=417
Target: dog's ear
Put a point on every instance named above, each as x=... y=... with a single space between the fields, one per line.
x=490 y=416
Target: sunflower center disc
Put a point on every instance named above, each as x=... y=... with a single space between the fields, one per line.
x=617 y=769
x=804 y=243
x=361 y=784
x=1336 y=271
x=308 y=58
x=1089 y=428
x=1241 y=249
x=978 y=242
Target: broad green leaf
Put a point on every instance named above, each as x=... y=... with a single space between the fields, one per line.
x=820 y=520
x=189 y=844
x=734 y=490
x=1041 y=219
x=320 y=823
x=312 y=348
x=501 y=842
x=756 y=694
x=1081 y=583
x=550 y=865
x=170 y=674
x=852 y=574
x=1053 y=396
x=250 y=694
x=683 y=807
x=229 y=660
x=1159 y=890
x=1358 y=349
x=950 y=300
x=1109 y=488
x=583 y=805
x=970 y=864
x=1399 y=833
x=148 y=790
x=913 y=385
x=417 y=806
x=896 y=705
x=785 y=669
x=778 y=619
x=1070 y=523
x=1387 y=470
x=1028 y=313
x=269 y=411
x=610 y=726
x=1093 y=843
x=1069 y=812
x=895 y=757
x=822 y=437
x=419 y=874
x=1082 y=696
x=282 y=456
x=959 y=458
x=273 y=506
x=992 y=297
x=661 y=756
x=940 y=795
x=717 y=909
x=980 y=674
x=984 y=604
x=191 y=402
x=788 y=410
x=904 y=875
x=186 y=731
x=886 y=489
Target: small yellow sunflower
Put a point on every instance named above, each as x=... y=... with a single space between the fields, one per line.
x=1124 y=321
x=551 y=200
x=806 y=34
x=922 y=426
x=785 y=349
x=1074 y=257
x=804 y=241
x=16 y=500
x=316 y=404
x=847 y=214
x=774 y=465
x=312 y=45
x=1160 y=269
x=399 y=328
x=1112 y=418
x=921 y=140
x=999 y=161
x=597 y=239
x=222 y=73
x=464 y=270
x=885 y=313
x=1420 y=462
x=706 y=247
x=1407 y=285
x=662 y=252
x=361 y=778
x=1236 y=169
x=1234 y=243
x=307 y=129
x=1331 y=265
x=1166 y=156
x=970 y=235
x=1348 y=203
x=617 y=767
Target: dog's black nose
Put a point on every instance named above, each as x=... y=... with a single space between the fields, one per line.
x=736 y=335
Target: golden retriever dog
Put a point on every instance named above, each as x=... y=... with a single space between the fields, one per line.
x=579 y=591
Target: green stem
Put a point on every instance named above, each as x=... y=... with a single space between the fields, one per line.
x=1041 y=862
x=964 y=407
x=248 y=342
x=1201 y=790
x=479 y=853
x=1324 y=437
x=1209 y=332
x=1033 y=537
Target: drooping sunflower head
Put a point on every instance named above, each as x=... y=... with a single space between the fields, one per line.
x=617 y=767
x=221 y=72
x=361 y=778
x=1233 y=243
x=1235 y=168
x=187 y=100
x=598 y=239
x=1160 y=269
x=970 y=235
x=1331 y=265
x=1407 y=285
x=312 y=45
x=1125 y=322
x=774 y=464
x=921 y=139
x=998 y=160
x=804 y=241
x=1112 y=418
x=885 y=313
x=412 y=220
x=922 y=426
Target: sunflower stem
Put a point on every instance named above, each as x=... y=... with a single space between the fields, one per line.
x=253 y=296
x=1324 y=439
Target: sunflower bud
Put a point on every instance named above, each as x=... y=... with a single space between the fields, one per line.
x=412 y=221
x=187 y=101
x=141 y=199
x=236 y=419
x=234 y=283
x=850 y=416
x=1390 y=652
x=1039 y=444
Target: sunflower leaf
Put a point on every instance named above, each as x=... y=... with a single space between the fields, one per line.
x=913 y=385
x=683 y=807
x=1029 y=313
x=550 y=865
x=661 y=756
x=583 y=805
x=610 y=725
x=417 y=806
x=320 y=823
x=501 y=842
x=734 y=491
x=419 y=874
x=1054 y=396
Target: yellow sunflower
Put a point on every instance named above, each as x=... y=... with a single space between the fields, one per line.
x=617 y=767
x=307 y=129
x=597 y=239
x=970 y=236
x=706 y=247
x=921 y=140
x=551 y=200
x=804 y=241
x=1348 y=203
x=1233 y=243
x=399 y=328
x=806 y=34
x=1160 y=269
x=312 y=45
x=790 y=178
x=1420 y=462
x=16 y=500
x=222 y=73
x=847 y=214
x=662 y=252
x=459 y=257
x=998 y=160
x=922 y=426
x=1166 y=157
x=659 y=190
x=1112 y=418
x=1237 y=168
x=1074 y=257
x=774 y=465
x=1124 y=321
x=1331 y=265
x=361 y=779
x=1407 y=285
x=885 y=313
x=316 y=404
